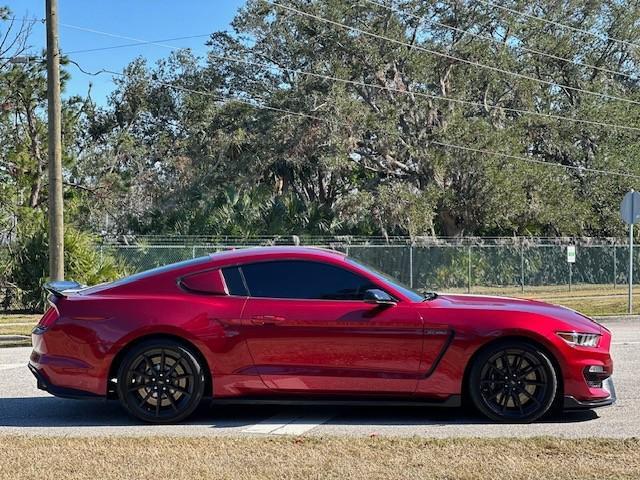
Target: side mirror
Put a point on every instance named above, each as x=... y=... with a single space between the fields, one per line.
x=378 y=297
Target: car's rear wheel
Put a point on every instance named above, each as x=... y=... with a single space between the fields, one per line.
x=160 y=381
x=513 y=381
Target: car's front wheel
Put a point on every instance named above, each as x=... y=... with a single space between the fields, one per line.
x=513 y=381
x=160 y=381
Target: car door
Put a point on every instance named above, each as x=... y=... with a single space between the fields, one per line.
x=308 y=329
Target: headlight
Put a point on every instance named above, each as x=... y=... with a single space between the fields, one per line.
x=580 y=339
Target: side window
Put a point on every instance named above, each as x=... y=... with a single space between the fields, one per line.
x=304 y=280
x=233 y=279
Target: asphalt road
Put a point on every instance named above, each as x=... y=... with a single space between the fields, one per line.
x=28 y=411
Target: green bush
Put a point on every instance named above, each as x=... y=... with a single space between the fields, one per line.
x=83 y=263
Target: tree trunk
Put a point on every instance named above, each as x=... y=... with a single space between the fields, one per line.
x=449 y=224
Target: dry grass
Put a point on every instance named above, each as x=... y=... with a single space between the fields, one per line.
x=20 y=318
x=551 y=290
x=22 y=329
x=591 y=300
x=316 y=458
x=17 y=324
x=600 y=306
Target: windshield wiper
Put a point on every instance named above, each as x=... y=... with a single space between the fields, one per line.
x=430 y=296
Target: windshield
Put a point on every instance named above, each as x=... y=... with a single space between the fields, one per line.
x=408 y=292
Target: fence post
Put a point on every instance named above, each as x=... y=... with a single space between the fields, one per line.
x=193 y=252
x=615 y=267
x=411 y=265
x=522 y=265
x=469 y=269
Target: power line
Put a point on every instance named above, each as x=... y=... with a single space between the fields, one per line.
x=606 y=38
x=134 y=44
x=24 y=19
x=86 y=72
x=499 y=42
x=447 y=55
x=428 y=95
x=91 y=30
x=217 y=98
x=533 y=160
x=225 y=100
x=365 y=84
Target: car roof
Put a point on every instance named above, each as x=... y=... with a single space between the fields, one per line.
x=219 y=260
x=276 y=252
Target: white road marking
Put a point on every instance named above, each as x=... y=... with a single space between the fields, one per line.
x=287 y=424
x=270 y=424
x=625 y=343
x=301 y=425
x=10 y=366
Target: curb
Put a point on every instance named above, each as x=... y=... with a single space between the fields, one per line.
x=8 y=341
x=13 y=338
x=14 y=341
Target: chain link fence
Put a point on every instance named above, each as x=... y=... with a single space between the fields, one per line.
x=477 y=265
x=467 y=263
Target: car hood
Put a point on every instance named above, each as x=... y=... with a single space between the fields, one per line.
x=574 y=319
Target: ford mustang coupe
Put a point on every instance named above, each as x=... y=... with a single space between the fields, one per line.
x=291 y=324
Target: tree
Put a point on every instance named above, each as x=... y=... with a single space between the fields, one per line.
x=209 y=148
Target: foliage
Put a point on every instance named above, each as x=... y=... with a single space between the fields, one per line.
x=205 y=145
x=83 y=261
x=184 y=162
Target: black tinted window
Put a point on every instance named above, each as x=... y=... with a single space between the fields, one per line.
x=233 y=279
x=306 y=280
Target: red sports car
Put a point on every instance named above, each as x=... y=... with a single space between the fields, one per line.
x=289 y=324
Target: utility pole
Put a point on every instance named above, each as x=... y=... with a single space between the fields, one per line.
x=56 y=220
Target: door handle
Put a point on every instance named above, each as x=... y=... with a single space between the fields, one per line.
x=266 y=319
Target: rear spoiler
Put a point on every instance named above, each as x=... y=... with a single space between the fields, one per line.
x=62 y=288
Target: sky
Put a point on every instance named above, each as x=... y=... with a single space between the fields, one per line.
x=140 y=19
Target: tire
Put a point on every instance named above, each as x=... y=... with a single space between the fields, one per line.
x=513 y=382
x=161 y=369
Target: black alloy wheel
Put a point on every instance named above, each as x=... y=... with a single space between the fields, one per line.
x=513 y=382
x=160 y=381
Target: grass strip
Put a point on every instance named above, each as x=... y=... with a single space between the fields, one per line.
x=340 y=458
x=13 y=329
x=19 y=318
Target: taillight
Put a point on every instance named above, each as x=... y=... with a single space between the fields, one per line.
x=48 y=318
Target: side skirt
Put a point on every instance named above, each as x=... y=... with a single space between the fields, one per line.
x=452 y=401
